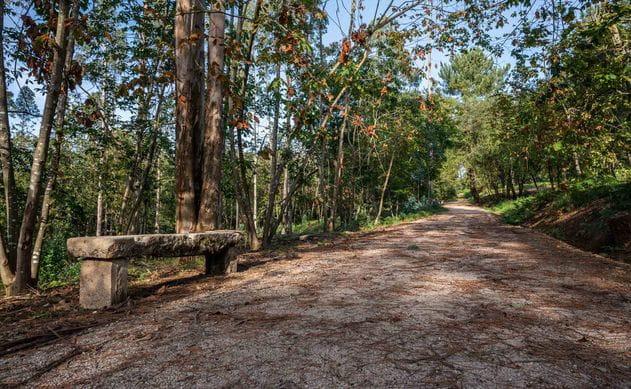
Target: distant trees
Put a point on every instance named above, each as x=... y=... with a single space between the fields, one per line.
x=560 y=116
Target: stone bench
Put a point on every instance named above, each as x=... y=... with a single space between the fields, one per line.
x=103 y=280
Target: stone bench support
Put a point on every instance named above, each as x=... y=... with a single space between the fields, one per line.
x=105 y=259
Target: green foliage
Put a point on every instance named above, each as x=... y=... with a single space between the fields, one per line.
x=472 y=74
x=413 y=205
x=616 y=193
x=395 y=219
x=56 y=268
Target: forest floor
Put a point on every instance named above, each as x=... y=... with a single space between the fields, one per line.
x=456 y=299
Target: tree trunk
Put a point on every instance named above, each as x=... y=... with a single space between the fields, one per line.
x=534 y=180
x=337 y=180
x=550 y=174
x=156 y=223
x=8 y=177
x=383 y=189
x=577 y=164
x=25 y=241
x=287 y=215
x=144 y=177
x=255 y=182
x=60 y=117
x=189 y=64
x=473 y=185
x=209 y=209
x=243 y=189
x=274 y=175
x=99 y=206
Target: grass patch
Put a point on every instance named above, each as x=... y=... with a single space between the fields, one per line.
x=578 y=194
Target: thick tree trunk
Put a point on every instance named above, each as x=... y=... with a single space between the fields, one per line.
x=25 y=241
x=189 y=93
x=7 y=257
x=209 y=209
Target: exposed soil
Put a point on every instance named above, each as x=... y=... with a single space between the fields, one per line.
x=458 y=299
x=594 y=227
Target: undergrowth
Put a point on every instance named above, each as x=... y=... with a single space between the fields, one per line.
x=616 y=193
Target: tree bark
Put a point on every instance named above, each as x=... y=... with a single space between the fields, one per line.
x=337 y=180
x=156 y=223
x=189 y=64
x=473 y=185
x=25 y=241
x=209 y=209
x=287 y=215
x=144 y=178
x=383 y=189
x=99 y=205
x=273 y=167
x=243 y=191
x=8 y=176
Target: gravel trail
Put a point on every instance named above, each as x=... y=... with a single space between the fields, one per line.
x=457 y=299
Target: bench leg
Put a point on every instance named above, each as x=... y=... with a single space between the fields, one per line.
x=221 y=263
x=102 y=283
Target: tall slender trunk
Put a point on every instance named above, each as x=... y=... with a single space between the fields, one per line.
x=8 y=177
x=156 y=222
x=473 y=185
x=383 y=189
x=240 y=173
x=550 y=174
x=287 y=215
x=51 y=182
x=189 y=64
x=209 y=207
x=274 y=174
x=144 y=177
x=25 y=241
x=337 y=180
x=577 y=164
x=99 y=207
x=255 y=181
x=534 y=180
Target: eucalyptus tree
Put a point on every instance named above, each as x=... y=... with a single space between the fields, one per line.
x=47 y=50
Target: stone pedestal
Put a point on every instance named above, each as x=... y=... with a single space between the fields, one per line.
x=221 y=263
x=102 y=283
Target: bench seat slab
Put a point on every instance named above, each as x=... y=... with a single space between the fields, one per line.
x=154 y=245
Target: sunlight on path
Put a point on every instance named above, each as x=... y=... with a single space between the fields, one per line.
x=455 y=299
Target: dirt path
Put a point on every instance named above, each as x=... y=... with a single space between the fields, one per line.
x=458 y=299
